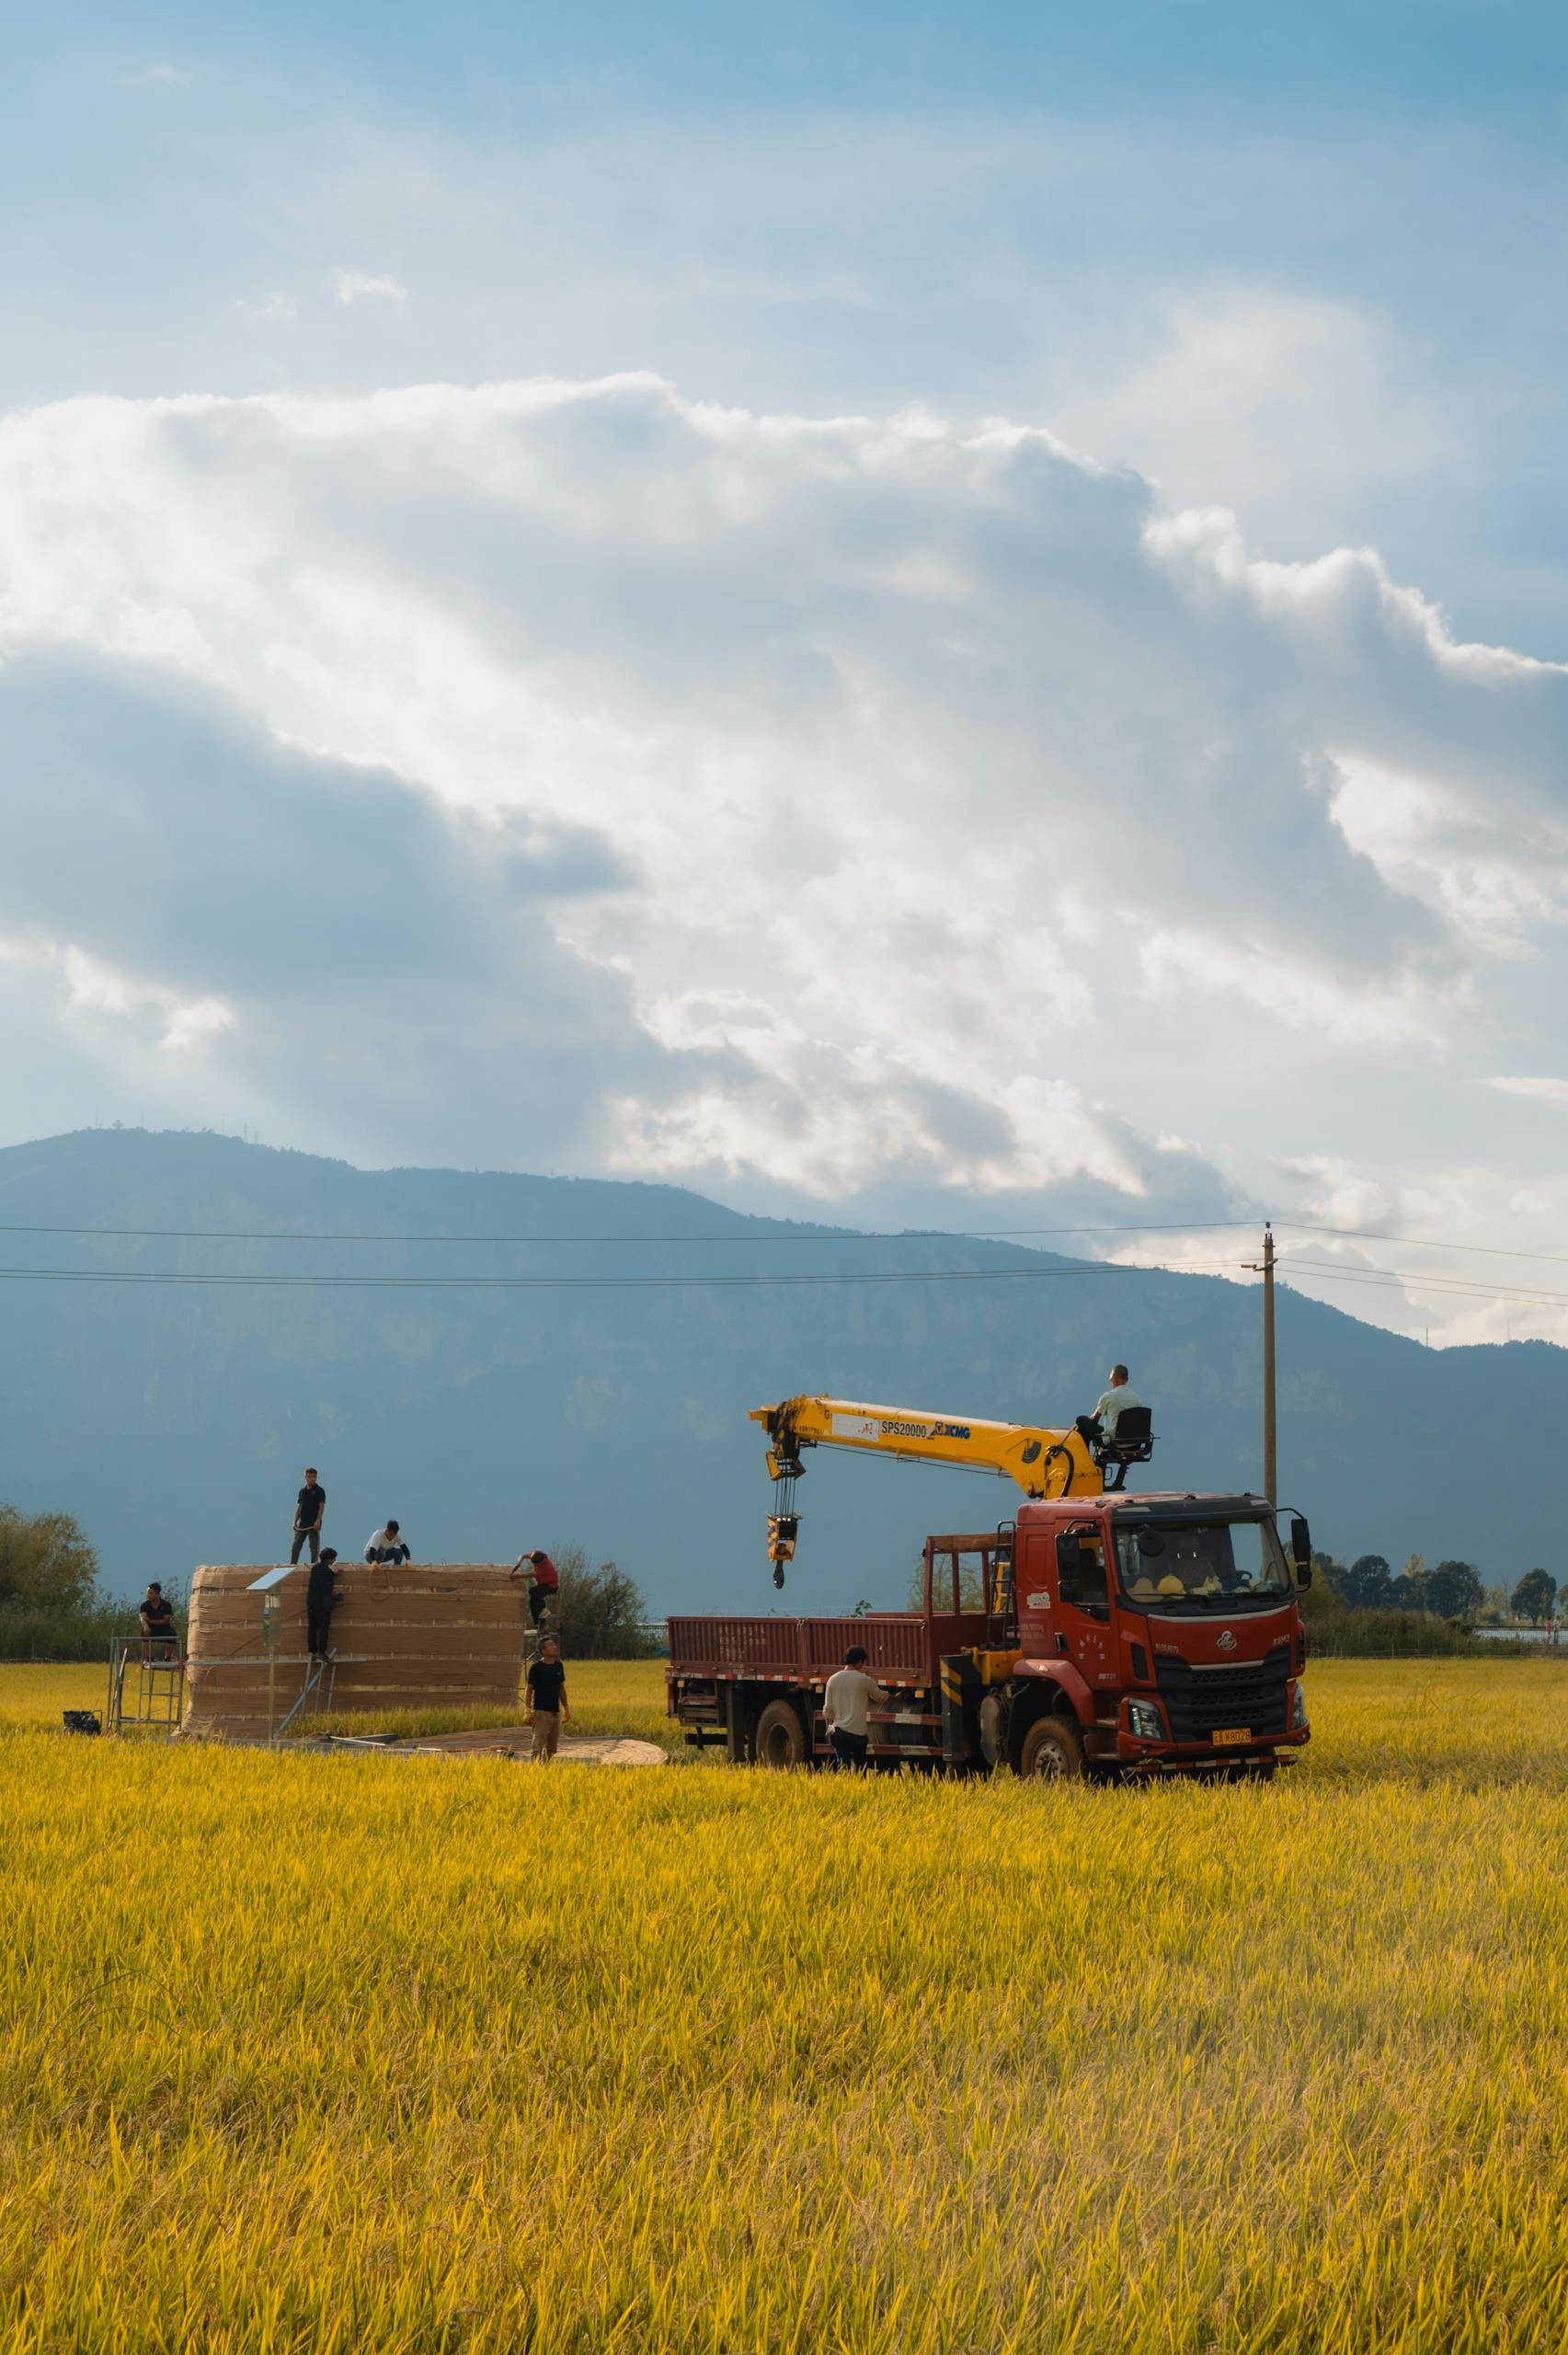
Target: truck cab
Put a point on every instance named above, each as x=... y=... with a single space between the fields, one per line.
x=1146 y=1634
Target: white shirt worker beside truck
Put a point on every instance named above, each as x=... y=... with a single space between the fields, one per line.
x=848 y=1699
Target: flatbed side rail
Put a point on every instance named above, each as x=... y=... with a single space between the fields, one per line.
x=802 y=1651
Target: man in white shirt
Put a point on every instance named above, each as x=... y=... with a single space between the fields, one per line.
x=386 y=1546
x=1111 y=1403
x=847 y=1705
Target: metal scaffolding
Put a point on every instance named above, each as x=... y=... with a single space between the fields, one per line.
x=154 y=1696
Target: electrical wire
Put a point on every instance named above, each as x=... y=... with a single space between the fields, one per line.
x=1421 y=1242
x=826 y=1234
x=1394 y=1279
x=600 y=1283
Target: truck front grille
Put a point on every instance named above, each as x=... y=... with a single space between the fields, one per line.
x=1202 y=1701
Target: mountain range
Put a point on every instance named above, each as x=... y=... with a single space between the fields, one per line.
x=176 y=1420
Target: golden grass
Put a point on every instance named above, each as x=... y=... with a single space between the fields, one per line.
x=305 y=2052
x=607 y=1696
x=34 y=1694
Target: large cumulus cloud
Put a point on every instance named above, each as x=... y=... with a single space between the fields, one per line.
x=730 y=796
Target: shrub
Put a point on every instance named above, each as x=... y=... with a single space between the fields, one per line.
x=601 y=1614
x=51 y=1605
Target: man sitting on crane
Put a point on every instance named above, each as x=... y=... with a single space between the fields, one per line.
x=1109 y=1407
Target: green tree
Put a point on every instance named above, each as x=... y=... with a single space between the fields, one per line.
x=1410 y=1587
x=46 y=1563
x=601 y=1612
x=1330 y=1574
x=1454 y=1589
x=1534 y=1596
x=50 y=1607
x=1368 y=1583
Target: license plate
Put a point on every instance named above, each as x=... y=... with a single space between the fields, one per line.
x=1232 y=1737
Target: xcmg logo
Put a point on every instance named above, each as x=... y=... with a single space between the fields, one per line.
x=892 y=1428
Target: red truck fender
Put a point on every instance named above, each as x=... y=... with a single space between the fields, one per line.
x=1048 y=1687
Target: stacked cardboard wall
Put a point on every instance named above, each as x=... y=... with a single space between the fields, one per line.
x=423 y=1635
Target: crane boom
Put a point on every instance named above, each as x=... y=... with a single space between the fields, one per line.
x=1044 y=1463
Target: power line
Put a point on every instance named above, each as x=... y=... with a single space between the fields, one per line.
x=598 y=1283
x=1455 y=1287
x=844 y=1235
x=826 y=1236
x=1302 y=1271
x=1422 y=1241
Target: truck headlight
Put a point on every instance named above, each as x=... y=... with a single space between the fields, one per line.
x=1143 y=1720
x=1298 y=1709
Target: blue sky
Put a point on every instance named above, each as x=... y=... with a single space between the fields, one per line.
x=1058 y=822
x=1018 y=209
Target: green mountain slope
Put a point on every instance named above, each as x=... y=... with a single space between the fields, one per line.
x=177 y=1421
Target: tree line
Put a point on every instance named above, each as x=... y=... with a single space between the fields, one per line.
x=1450 y=1590
x=1366 y=1609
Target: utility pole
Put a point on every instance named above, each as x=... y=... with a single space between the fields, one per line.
x=1270 y=1451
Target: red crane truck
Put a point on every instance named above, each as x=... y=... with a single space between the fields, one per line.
x=1097 y=1633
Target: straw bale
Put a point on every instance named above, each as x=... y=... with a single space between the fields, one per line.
x=421 y=1636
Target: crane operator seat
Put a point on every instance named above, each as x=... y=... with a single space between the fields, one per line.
x=1132 y=1441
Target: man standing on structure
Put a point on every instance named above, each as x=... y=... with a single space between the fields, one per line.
x=548 y=1699
x=847 y=1704
x=308 y=1515
x=544 y=1580
x=321 y=1600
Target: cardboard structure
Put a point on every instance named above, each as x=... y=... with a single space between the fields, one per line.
x=443 y=1634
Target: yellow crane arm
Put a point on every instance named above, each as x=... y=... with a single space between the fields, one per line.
x=1044 y=1463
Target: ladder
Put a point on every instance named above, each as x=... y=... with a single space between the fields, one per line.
x=320 y=1673
x=153 y=1697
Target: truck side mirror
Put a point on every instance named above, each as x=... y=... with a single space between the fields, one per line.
x=1069 y=1561
x=1302 y=1549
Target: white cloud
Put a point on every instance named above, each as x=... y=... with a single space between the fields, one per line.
x=1443 y=1253
x=1238 y=387
x=965 y=798
x=368 y=286
x=1540 y=1091
x=160 y=75
x=272 y=310
x=91 y=987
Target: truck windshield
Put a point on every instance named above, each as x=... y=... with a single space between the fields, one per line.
x=1199 y=1564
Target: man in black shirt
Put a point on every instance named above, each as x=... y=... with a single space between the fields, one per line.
x=308 y=1515
x=156 y=1615
x=547 y=1698
x=321 y=1601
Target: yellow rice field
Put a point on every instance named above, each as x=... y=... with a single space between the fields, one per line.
x=332 y=2053
x=606 y=1696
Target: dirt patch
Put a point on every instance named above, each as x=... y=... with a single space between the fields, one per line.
x=517 y=1742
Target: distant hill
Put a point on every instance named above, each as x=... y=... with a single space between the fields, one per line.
x=176 y=1420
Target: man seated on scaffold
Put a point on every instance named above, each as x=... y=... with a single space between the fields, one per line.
x=159 y=1640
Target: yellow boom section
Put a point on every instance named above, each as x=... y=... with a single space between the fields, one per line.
x=1043 y=1462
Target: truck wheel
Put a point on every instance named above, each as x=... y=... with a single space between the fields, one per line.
x=781 y=1737
x=1051 y=1752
